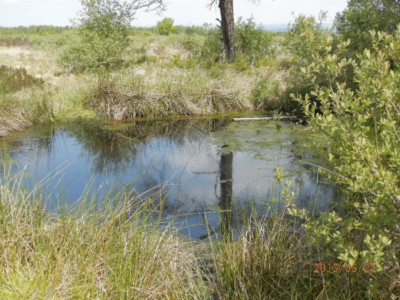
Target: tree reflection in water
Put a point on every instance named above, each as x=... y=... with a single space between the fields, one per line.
x=225 y=201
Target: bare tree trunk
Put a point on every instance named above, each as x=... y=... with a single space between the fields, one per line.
x=227 y=51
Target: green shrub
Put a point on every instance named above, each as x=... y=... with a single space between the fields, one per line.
x=75 y=57
x=65 y=37
x=252 y=42
x=211 y=47
x=360 y=137
x=166 y=26
x=305 y=40
x=33 y=30
x=193 y=43
x=104 y=30
x=361 y=16
x=15 y=79
x=199 y=30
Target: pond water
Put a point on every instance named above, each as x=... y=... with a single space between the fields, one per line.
x=204 y=165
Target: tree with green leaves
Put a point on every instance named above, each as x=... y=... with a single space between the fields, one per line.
x=103 y=27
x=166 y=26
x=361 y=16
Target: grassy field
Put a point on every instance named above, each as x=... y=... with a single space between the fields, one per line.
x=161 y=76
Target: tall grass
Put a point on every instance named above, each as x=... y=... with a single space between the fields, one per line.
x=111 y=248
x=273 y=258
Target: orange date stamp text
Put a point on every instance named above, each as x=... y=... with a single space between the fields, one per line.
x=339 y=268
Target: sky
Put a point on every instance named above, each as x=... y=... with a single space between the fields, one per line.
x=184 y=12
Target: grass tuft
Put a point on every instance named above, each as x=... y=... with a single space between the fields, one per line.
x=117 y=103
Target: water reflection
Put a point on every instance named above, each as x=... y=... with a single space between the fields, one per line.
x=211 y=166
x=225 y=201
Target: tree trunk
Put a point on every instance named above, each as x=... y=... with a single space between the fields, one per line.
x=227 y=51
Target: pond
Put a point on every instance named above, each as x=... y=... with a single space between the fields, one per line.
x=202 y=165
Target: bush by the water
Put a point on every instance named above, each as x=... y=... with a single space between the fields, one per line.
x=358 y=132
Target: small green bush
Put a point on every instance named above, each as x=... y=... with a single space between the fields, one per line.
x=199 y=30
x=193 y=43
x=166 y=26
x=305 y=40
x=104 y=30
x=15 y=79
x=211 y=47
x=75 y=57
x=251 y=41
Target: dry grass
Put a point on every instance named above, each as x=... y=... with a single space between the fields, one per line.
x=12 y=117
x=63 y=94
x=121 y=104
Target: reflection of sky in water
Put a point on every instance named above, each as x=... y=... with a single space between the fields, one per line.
x=189 y=160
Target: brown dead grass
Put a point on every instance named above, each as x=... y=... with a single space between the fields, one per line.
x=119 y=104
x=12 y=117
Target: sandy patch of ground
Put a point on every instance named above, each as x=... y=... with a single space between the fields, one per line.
x=38 y=63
